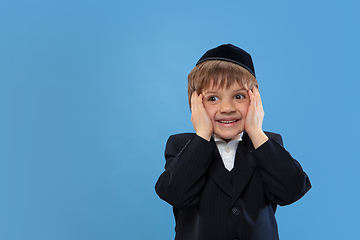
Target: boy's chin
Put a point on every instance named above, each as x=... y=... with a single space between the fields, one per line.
x=227 y=138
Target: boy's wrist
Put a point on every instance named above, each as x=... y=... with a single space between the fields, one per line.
x=205 y=136
x=258 y=137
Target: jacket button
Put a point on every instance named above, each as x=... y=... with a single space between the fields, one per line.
x=235 y=211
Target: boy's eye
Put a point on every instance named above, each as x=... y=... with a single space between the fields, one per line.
x=212 y=99
x=239 y=96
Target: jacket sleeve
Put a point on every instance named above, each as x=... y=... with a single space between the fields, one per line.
x=184 y=175
x=284 y=179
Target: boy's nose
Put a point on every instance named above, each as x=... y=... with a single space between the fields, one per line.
x=227 y=107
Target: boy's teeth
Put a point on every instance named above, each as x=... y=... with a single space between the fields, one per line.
x=222 y=121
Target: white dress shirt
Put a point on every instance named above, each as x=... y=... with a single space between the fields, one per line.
x=227 y=150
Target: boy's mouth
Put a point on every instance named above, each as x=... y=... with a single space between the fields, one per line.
x=227 y=121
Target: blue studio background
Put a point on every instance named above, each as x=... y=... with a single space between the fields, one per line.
x=91 y=90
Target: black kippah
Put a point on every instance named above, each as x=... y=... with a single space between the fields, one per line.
x=230 y=53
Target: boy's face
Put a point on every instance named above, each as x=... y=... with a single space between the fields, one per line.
x=227 y=109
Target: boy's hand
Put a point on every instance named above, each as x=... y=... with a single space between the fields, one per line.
x=200 y=117
x=254 y=119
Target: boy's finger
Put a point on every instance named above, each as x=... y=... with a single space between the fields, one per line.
x=252 y=98
x=257 y=92
x=196 y=100
x=257 y=96
x=193 y=100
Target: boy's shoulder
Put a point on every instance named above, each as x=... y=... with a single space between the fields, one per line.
x=272 y=134
x=183 y=136
x=188 y=136
x=181 y=140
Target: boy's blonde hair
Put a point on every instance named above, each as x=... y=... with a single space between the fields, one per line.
x=217 y=73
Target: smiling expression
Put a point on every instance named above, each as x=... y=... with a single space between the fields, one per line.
x=227 y=109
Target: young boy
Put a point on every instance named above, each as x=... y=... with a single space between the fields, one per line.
x=226 y=180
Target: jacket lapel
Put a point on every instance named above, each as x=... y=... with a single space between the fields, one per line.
x=245 y=164
x=219 y=173
x=233 y=183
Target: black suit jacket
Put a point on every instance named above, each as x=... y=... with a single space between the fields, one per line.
x=211 y=203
